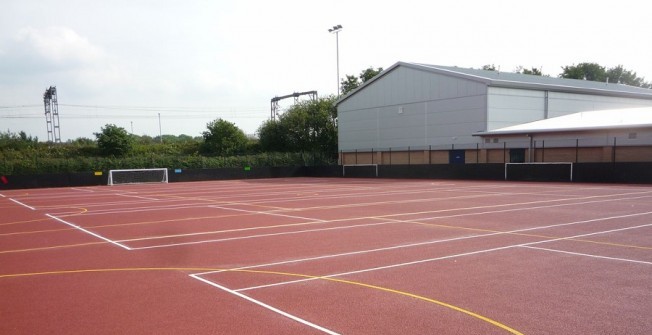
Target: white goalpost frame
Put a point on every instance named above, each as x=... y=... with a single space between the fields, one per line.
x=354 y=165
x=543 y=163
x=159 y=175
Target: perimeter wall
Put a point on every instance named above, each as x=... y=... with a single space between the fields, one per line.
x=632 y=172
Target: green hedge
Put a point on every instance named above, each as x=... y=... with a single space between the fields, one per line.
x=26 y=162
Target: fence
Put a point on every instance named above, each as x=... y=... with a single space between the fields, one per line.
x=579 y=150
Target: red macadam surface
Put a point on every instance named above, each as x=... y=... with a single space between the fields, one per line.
x=327 y=255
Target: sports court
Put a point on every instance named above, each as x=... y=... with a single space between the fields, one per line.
x=327 y=255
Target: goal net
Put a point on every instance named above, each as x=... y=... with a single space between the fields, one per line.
x=138 y=176
x=553 y=171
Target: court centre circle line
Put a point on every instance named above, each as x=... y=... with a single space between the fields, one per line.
x=197 y=276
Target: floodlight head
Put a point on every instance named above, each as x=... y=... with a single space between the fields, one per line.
x=335 y=28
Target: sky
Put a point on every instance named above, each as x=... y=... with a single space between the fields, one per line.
x=125 y=62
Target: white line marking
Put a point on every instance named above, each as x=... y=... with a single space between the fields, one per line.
x=82 y=190
x=137 y=196
x=88 y=232
x=267 y=213
x=22 y=204
x=250 y=236
x=378 y=268
x=381 y=217
x=350 y=253
x=595 y=233
x=2 y=195
x=264 y=305
x=437 y=258
x=435 y=242
x=588 y=255
x=215 y=232
x=149 y=208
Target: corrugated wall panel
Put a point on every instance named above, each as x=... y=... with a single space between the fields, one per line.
x=372 y=114
x=567 y=103
x=508 y=107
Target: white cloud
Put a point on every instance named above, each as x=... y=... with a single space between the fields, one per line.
x=60 y=46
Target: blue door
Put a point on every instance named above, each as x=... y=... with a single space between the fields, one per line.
x=456 y=157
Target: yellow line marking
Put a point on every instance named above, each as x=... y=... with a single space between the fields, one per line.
x=83 y=210
x=440 y=303
x=342 y=281
x=612 y=244
x=23 y=221
x=64 y=272
x=52 y=247
x=522 y=234
x=295 y=225
x=170 y=220
x=36 y=231
x=223 y=202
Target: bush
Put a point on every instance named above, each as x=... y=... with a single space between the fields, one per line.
x=114 y=141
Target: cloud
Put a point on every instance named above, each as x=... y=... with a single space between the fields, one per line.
x=31 y=51
x=58 y=46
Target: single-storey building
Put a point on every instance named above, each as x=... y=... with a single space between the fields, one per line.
x=420 y=114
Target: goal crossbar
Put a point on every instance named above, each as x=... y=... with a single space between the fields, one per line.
x=138 y=176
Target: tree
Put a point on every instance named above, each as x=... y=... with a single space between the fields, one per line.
x=585 y=71
x=620 y=75
x=369 y=73
x=306 y=126
x=114 y=141
x=271 y=136
x=596 y=72
x=489 y=67
x=18 y=141
x=352 y=82
x=223 y=138
x=349 y=84
x=533 y=71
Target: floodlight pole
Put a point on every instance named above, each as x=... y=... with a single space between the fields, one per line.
x=160 y=134
x=336 y=30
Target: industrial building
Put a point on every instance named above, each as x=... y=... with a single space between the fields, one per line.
x=427 y=114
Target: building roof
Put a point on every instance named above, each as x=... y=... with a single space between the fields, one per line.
x=583 y=121
x=523 y=81
x=497 y=78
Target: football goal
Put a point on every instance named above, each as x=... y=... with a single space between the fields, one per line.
x=138 y=176
x=541 y=171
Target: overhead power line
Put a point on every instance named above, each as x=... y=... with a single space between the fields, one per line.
x=143 y=112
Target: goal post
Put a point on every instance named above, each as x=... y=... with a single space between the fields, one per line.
x=138 y=176
x=539 y=171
